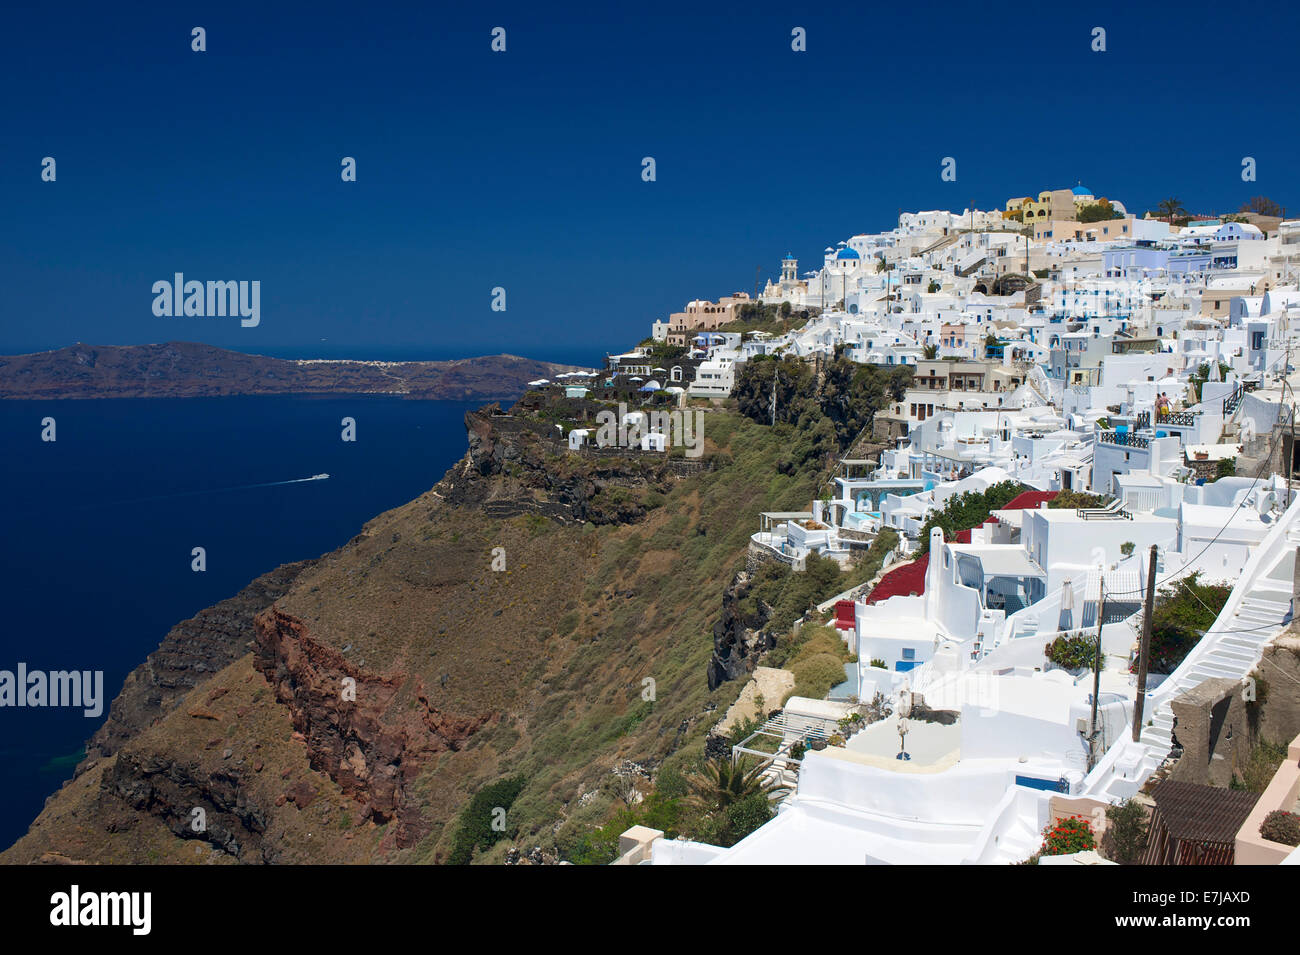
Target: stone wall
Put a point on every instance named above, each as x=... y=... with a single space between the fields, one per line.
x=1219 y=722
x=758 y=555
x=1276 y=718
x=1212 y=727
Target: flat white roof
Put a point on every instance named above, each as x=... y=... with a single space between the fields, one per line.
x=1001 y=560
x=818 y=833
x=1213 y=452
x=825 y=709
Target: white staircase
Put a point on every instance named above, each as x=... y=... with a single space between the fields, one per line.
x=1017 y=843
x=1253 y=616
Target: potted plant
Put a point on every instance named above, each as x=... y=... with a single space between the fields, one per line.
x=1281 y=826
x=1068 y=836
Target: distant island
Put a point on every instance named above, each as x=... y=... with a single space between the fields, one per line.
x=193 y=370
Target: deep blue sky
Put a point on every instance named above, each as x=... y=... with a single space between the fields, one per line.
x=522 y=169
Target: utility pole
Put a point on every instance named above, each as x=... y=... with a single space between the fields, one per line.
x=1096 y=673
x=1144 y=649
x=1286 y=387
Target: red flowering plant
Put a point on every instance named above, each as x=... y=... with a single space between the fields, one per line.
x=1067 y=836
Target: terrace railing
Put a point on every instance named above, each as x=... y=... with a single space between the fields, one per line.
x=1185 y=419
x=1233 y=401
x=1125 y=439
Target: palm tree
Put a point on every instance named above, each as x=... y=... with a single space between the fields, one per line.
x=931 y=352
x=722 y=782
x=1171 y=208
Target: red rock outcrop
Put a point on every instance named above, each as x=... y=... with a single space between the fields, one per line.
x=370 y=740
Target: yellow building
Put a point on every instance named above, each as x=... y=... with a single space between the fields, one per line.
x=1061 y=205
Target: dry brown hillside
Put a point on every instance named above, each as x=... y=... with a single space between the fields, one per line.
x=462 y=674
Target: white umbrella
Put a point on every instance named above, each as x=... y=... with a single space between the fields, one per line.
x=1067 y=607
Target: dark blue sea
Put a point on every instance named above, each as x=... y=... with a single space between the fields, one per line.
x=99 y=525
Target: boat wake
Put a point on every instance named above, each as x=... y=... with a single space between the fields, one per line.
x=217 y=490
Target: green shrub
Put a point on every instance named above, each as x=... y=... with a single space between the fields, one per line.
x=1073 y=500
x=1260 y=766
x=816 y=674
x=792 y=594
x=1126 y=832
x=476 y=819
x=1072 y=652
x=964 y=511
x=1183 y=612
x=728 y=826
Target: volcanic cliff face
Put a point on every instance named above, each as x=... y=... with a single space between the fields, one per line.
x=192 y=652
x=537 y=614
x=535 y=473
x=738 y=640
x=354 y=724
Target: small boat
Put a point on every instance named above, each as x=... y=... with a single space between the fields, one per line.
x=319 y=477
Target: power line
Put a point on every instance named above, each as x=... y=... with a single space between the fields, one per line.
x=1186 y=567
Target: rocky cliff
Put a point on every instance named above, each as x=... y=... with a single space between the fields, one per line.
x=537 y=614
x=738 y=638
x=192 y=651
x=532 y=471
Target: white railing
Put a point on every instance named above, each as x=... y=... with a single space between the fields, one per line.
x=1128 y=755
x=1262 y=560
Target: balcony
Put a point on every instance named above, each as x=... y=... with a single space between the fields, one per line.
x=1180 y=419
x=1124 y=439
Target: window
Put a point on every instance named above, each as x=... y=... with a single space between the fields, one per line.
x=909 y=653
